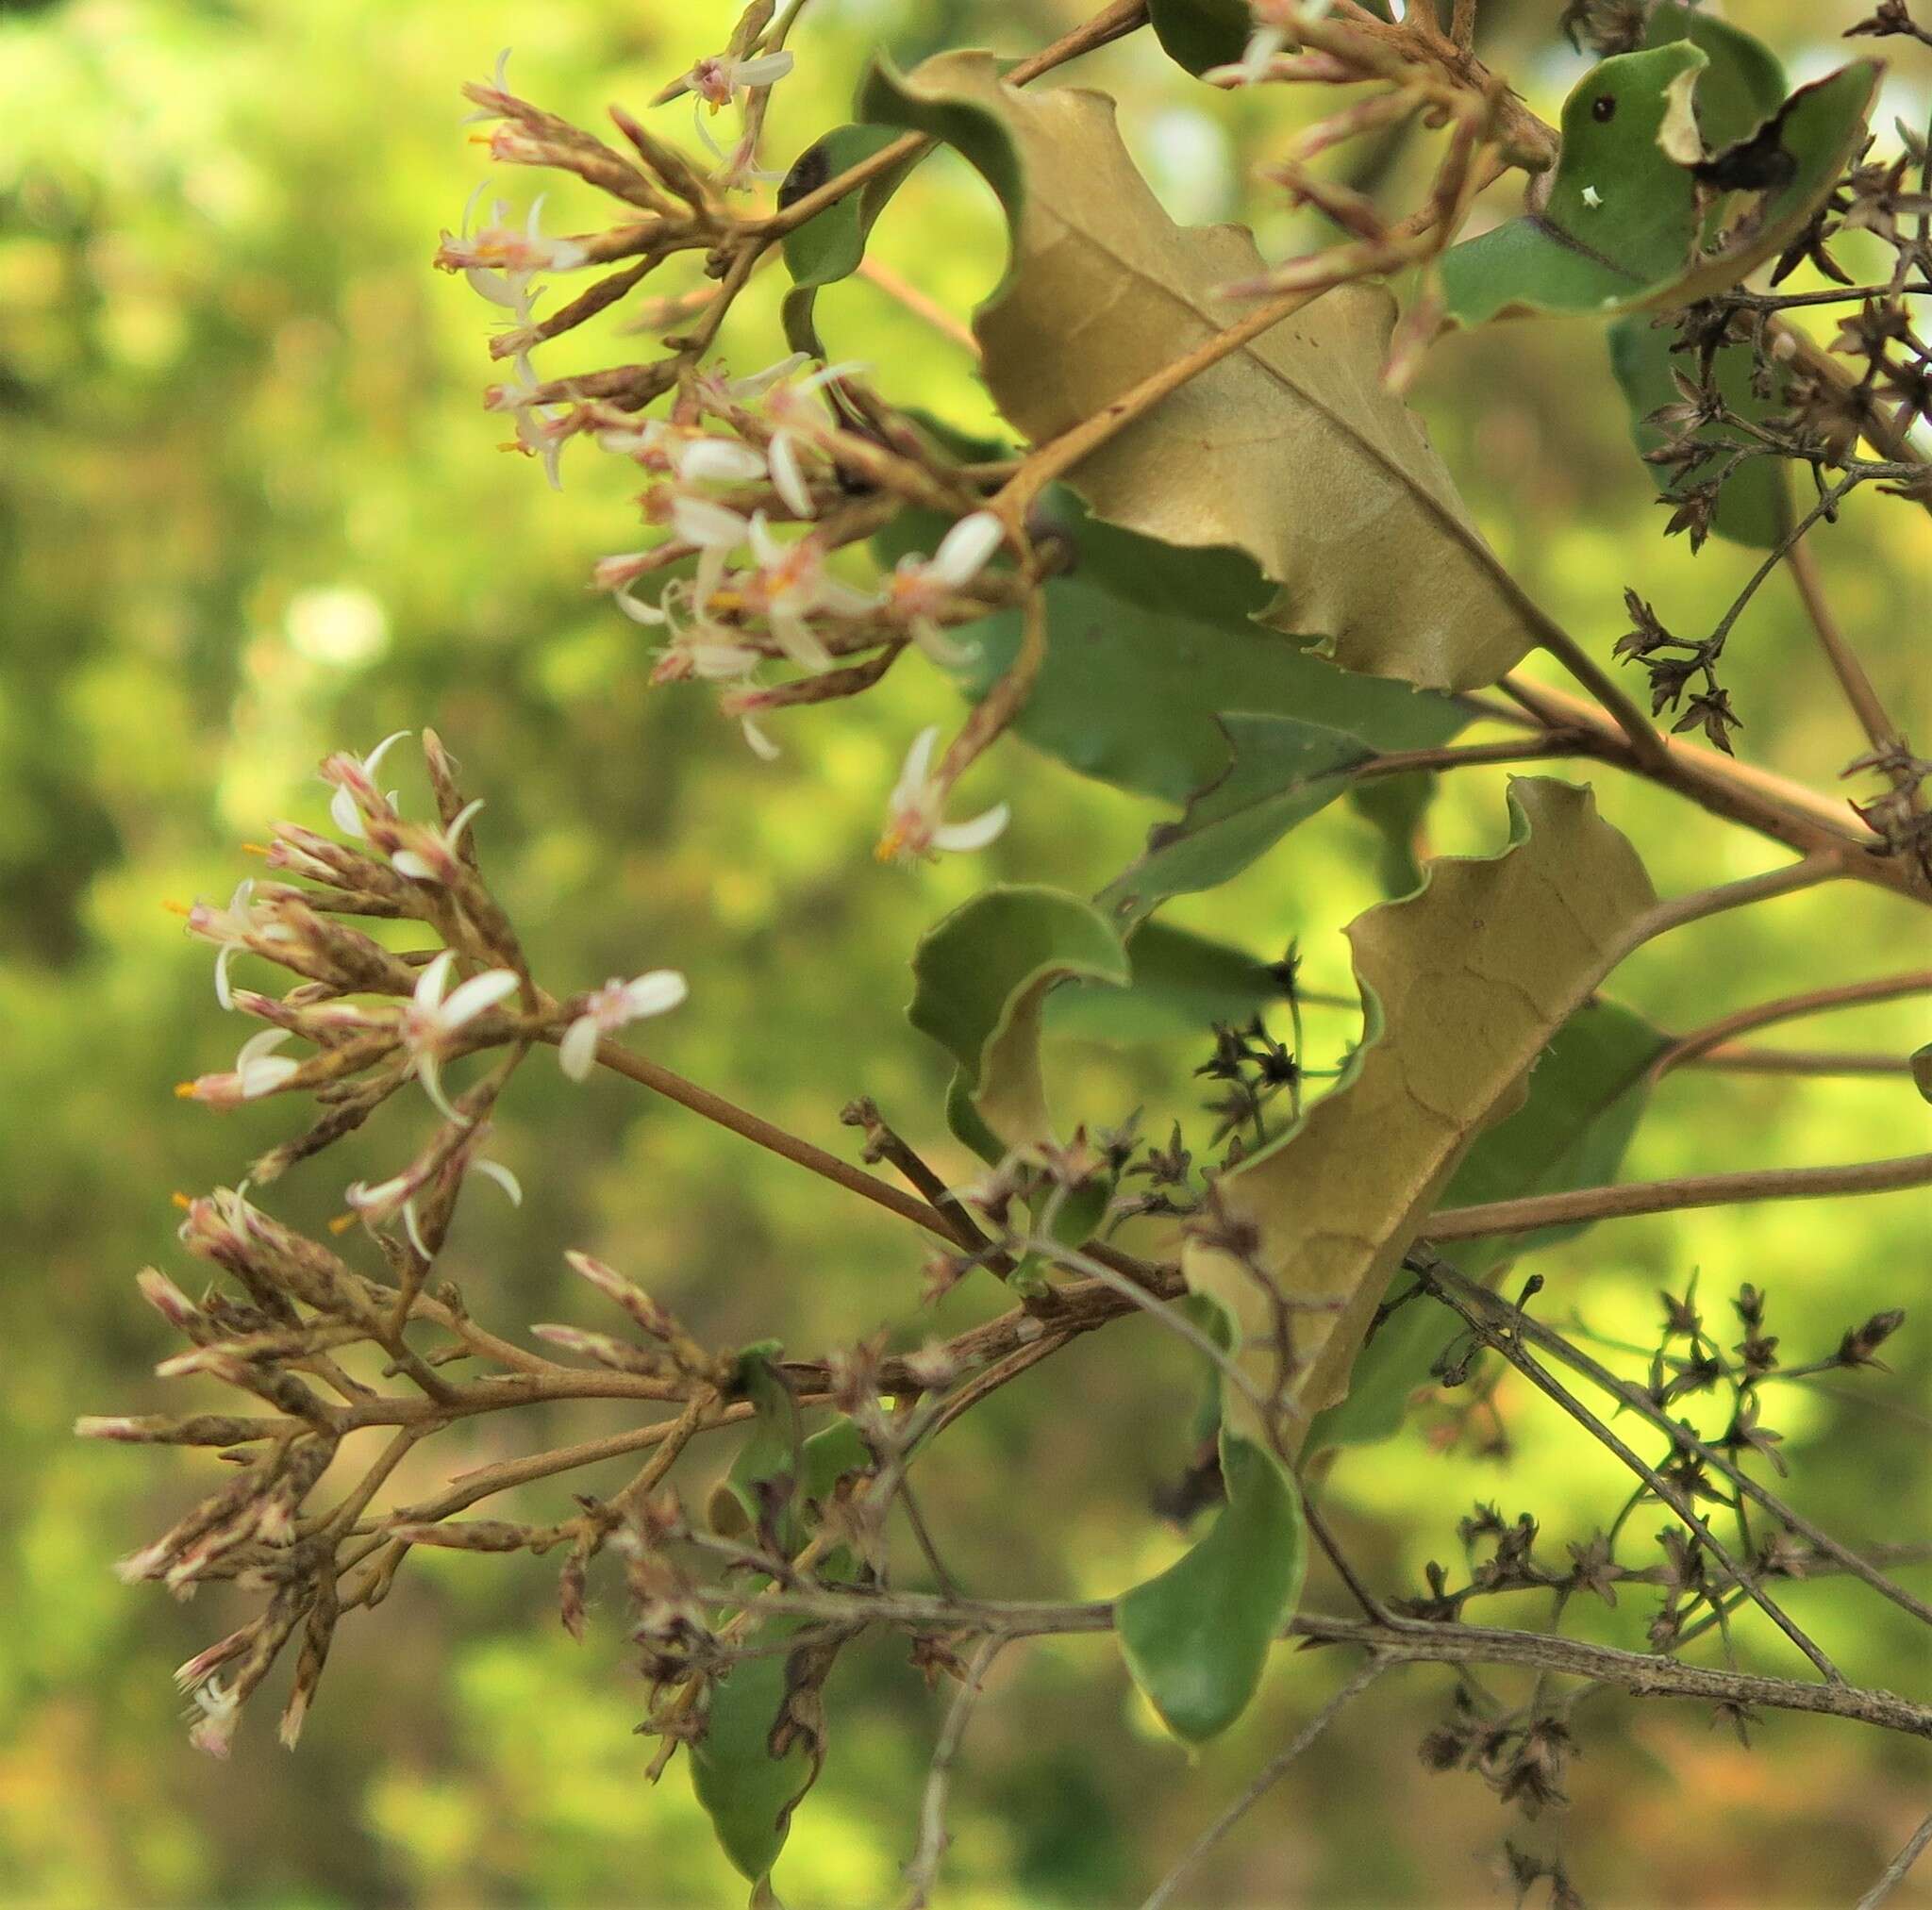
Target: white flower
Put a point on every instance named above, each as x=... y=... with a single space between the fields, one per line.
x=914 y=827
x=257 y=1071
x=216 y=1708
x=230 y=929
x=791 y=584
x=382 y=1200
x=437 y=857
x=538 y=435
x=920 y=590
x=1591 y=197
x=500 y=261
x=430 y=1024
x=717 y=76
x=355 y=786
x=1274 y=23
x=498 y=84
x=615 y=1005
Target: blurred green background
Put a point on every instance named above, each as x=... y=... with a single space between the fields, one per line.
x=251 y=510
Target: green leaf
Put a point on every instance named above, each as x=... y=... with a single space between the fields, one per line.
x=1754 y=507
x=1290 y=448
x=980 y=979
x=1148 y=644
x=1182 y=984
x=1742 y=85
x=1620 y=230
x=1394 y=807
x=1584 y=1099
x=1279 y=774
x=831 y=245
x=749 y=1794
x=1195 y=1639
x=1463 y=986
x=1198 y=34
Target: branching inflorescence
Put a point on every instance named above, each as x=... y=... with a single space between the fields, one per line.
x=806 y=532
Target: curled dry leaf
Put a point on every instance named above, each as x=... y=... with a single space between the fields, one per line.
x=1289 y=449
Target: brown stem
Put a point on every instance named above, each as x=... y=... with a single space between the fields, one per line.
x=1846 y=666
x=1669 y=1197
x=1742 y=1059
x=1700 y=1041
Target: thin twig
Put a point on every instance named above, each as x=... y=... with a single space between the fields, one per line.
x=1265 y=1780
x=1895 y=1870
x=1670 y=1197
x=1790 y=1008
x=922 y=1872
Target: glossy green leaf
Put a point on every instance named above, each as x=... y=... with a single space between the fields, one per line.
x=1620 y=228
x=1196 y=1638
x=1290 y=448
x=1464 y=984
x=1199 y=34
x=831 y=246
x=980 y=979
x=1149 y=643
x=1753 y=506
x=1280 y=773
x=1586 y=1096
x=1182 y=984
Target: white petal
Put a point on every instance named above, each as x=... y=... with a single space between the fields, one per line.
x=225 y=956
x=761 y=745
x=258 y=1045
x=434 y=979
x=497 y=288
x=766 y=69
x=503 y=1177
x=912 y=778
x=577 y=1051
x=479 y=992
x=654 y=993
x=344 y=814
x=265 y=1074
x=636 y=608
x=765 y=547
x=976 y=833
x=245 y=890
x=710 y=526
x=760 y=381
x=413 y=1227
x=704 y=132
x=787 y=478
x=825 y=373
x=373 y=761
x=940 y=647
x=967 y=548
x=719 y=460
x=841 y=600
x=430 y=1073
x=799 y=642
x=721 y=662
x=406 y=862
x=462 y=821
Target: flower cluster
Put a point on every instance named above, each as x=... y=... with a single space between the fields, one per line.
x=762 y=494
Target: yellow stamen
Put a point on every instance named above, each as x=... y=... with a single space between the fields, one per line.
x=177 y=908
x=185 y=1090
x=254 y=849
x=341 y=1223
x=889 y=844
x=181 y=1201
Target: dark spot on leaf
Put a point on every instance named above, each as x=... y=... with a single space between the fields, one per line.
x=1603 y=109
x=810 y=171
x=1758 y=164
